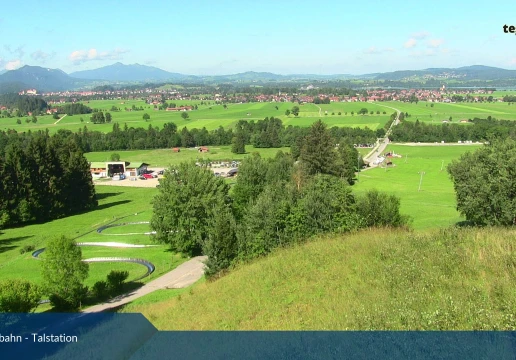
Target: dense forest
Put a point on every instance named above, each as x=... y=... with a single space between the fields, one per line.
x=43 y=178
x=23 y=103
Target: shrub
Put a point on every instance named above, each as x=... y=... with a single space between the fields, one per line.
x=100 y=289
x=115 y=279
x=380 y=209
x=27 y=248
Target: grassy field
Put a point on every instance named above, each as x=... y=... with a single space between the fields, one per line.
x=424 y=111
x=166 y=157
x=373 y=280
x=211 y=116
x=114 y=203
x=433 y=206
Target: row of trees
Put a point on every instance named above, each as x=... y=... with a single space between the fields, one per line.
x=266 y=133
x=480 y=130
x=273 y=203
x=43 y=177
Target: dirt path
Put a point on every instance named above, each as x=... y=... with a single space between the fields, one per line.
x=320 y=110
x=60 y=119
x=184 y=275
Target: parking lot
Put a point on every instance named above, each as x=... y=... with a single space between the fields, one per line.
x=149 y=182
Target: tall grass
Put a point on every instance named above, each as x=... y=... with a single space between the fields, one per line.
x=376 y=279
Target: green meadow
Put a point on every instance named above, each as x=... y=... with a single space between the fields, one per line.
x=116 y=205
x=424 y=111
x=212 y=116
x=165 y=157
x=434 y=204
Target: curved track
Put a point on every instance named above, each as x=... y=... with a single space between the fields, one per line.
x=102 y=228
x=150 y=266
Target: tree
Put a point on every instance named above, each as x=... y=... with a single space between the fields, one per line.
x=287 y=112
x=250 y=182
x=295 y=110
x=56 y=116
x=484 y=183
x=34 y=119
x=221 y=244
x=115 y=280
x=380 y=209
x=363 y=111
x=63 y=273
x=18 y=296
x=185 y=115
x=185 y=205
x=238 y=143
x=108 y=117
x=115 y=157
x=318 y=151
x=146 y=116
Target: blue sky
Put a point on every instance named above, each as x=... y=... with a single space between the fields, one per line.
x=286 y=37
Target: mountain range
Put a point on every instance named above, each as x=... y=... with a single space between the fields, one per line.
x=45 y=79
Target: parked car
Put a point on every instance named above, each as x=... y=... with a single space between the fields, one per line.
x=161 y=172
x=147 y=176
x=122 y=176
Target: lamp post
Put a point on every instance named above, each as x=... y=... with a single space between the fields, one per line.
x=420 y=179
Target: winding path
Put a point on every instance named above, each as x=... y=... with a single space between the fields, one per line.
x=184 y=275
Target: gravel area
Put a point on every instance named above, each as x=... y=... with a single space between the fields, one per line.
x=145 y=183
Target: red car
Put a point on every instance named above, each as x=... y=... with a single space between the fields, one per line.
x=147 y=176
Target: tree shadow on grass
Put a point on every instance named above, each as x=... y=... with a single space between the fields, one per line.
x=8 y=244
x=102 y=196
x=115 y=203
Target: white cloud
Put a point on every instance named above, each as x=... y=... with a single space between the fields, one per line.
x=421 y=35
x=375 y=50
x=80 y=56
x=425 y=53
x=13 y=64
x=41 y=56
x=435 y=43
x=372 y=50
x=410 y=43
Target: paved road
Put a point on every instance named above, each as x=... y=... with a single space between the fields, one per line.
x=184 y=275
x=380 y=147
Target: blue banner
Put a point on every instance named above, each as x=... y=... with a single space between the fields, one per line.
x=130 y=336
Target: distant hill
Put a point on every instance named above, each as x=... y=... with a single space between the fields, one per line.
x=128 y=73
x=42 y=79
x=475 y=72
x=46 y=79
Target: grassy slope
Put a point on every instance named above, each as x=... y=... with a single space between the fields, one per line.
x=375 y=279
